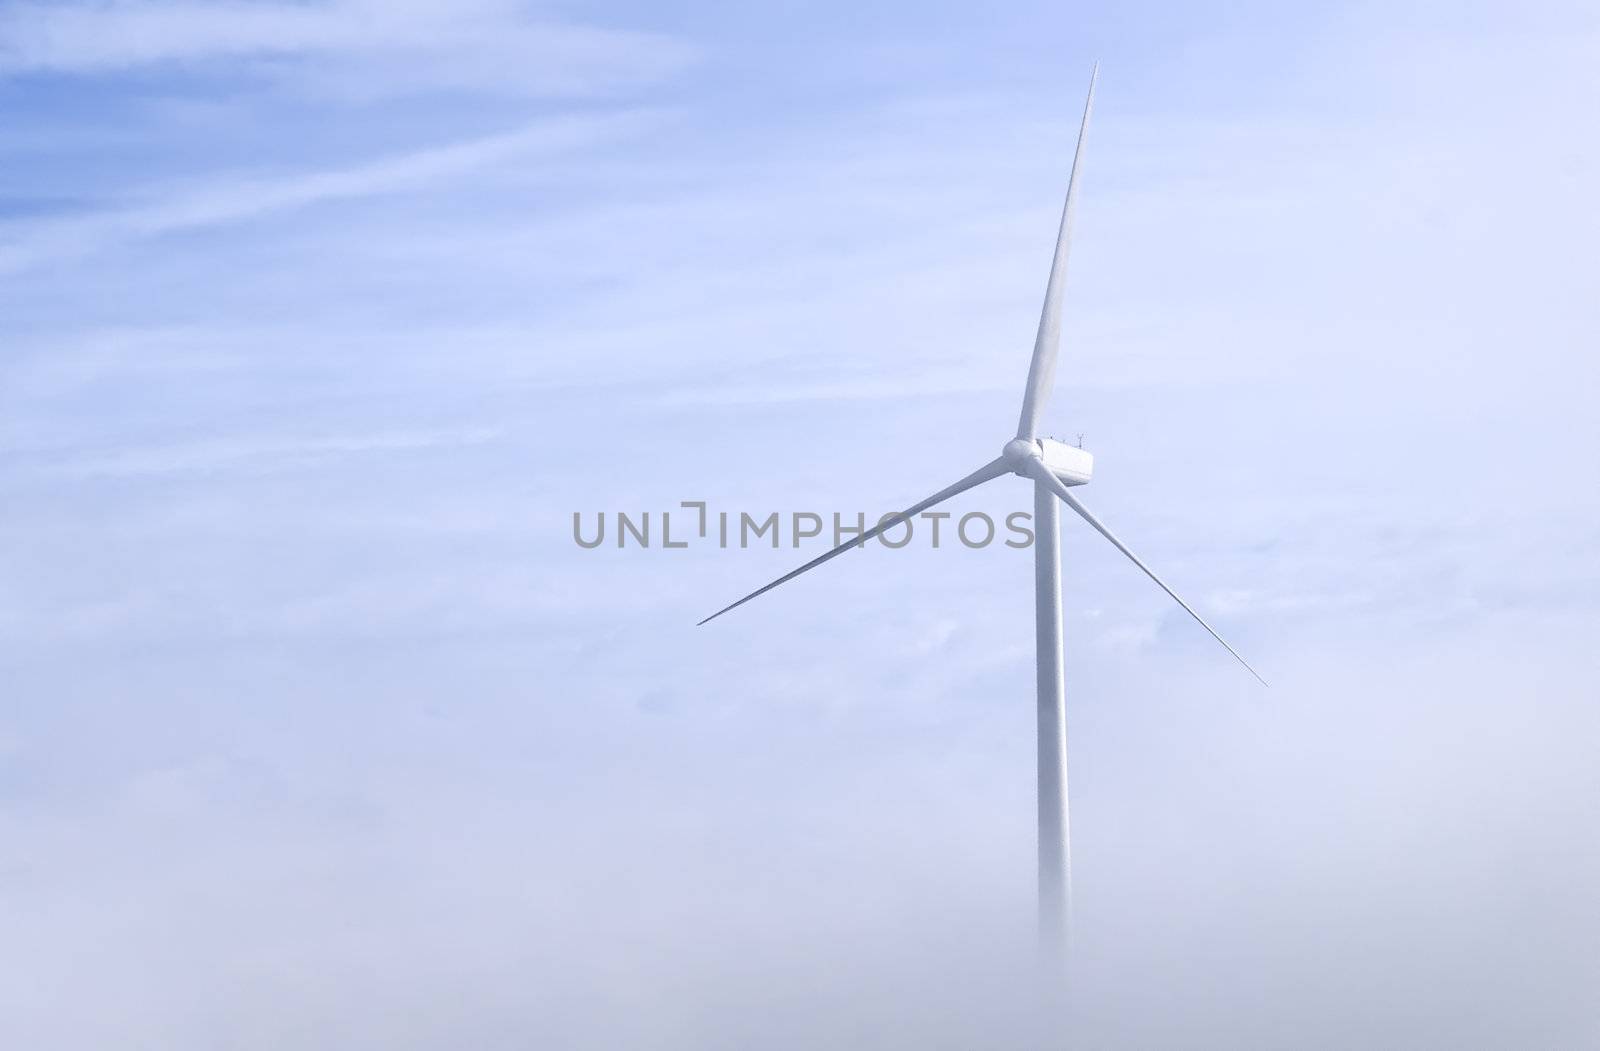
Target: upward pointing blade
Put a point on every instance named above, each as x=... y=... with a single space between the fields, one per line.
x=1042 y=473
x=991 y=470
x=1042 y=370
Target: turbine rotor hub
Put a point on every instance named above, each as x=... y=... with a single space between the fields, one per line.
x=1019 y=451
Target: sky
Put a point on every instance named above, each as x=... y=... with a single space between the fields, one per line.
x=320 y=320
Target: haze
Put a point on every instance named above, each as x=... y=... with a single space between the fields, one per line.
x=318 y=731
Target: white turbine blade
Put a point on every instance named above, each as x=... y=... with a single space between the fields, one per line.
x=1041 y=472
x=991 y=470
x=1042 y=370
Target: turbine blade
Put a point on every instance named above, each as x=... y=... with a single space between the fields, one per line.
x=1042 y=473
x=987 y=472
x=1042 y=370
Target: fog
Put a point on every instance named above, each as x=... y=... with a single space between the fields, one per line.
x=1394 y=846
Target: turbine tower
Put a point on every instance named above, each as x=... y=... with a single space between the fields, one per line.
x=1055 y=469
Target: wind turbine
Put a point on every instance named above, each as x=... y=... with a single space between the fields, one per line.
x=1055 y=469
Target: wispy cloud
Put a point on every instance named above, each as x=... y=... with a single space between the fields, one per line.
x=259 y=455
x=249 y=197
x=368 y=48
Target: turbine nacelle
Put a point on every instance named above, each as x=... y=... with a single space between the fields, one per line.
x=1069 y=463
x=1074 y=466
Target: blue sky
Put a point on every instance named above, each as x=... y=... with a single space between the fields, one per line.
x=321 y=319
